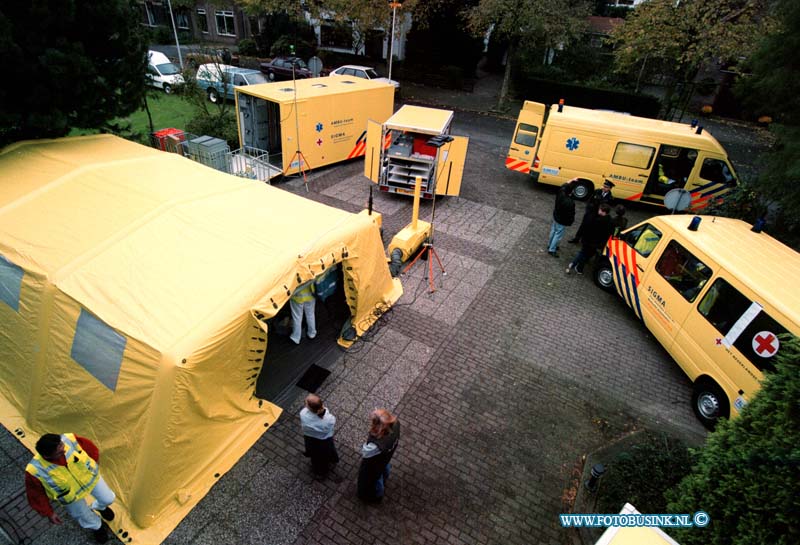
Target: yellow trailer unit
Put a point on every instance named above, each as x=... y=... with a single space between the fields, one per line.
x=644 y=158
x=312 y=122
x=415 y=141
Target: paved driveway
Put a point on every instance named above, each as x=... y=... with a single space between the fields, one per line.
x=503 y=378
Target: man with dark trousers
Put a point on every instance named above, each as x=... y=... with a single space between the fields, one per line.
x=563 y=216
x=600 y=196
x=594 y=238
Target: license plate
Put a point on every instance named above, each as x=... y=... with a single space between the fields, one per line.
x=404 y=191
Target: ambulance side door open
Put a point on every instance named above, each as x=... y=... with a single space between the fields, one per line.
x=372 y=153
x=629 y=168
x=527 y=136
x=450 y=166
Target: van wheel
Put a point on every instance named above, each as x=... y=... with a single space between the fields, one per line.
x=709 y=403
x=604 y=275
x=168 y=88
x=583 y=190
x=213 y=95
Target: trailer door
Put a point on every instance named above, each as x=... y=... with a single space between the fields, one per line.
x=450 y=166
x=527 y=135
x=372 y=153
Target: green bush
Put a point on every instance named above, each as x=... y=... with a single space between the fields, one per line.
x=642 y=473
x=220 y=123
x=248 y=47
x=747 y=473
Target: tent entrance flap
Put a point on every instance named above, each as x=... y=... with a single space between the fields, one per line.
x=284 y=361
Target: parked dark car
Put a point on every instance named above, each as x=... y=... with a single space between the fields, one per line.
x=280 y=68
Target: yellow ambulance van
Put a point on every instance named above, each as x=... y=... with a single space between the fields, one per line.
x=644 y=158
x=716 y=294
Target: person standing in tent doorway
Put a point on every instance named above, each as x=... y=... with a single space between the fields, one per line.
x=65 y=469
x=302 y=303
x=376 y=453
x=317 y=423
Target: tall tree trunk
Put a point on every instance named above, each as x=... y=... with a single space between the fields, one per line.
x=506 y=77
x=149 y=117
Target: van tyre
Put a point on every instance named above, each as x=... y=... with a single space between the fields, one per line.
x=604 y=275
x=213 y=95
x=583 y=190
x=168 y=88
x=709 y=403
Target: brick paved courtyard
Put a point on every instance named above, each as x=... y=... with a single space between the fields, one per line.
x=503 y=378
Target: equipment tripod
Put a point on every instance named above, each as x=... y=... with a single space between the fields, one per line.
x=428 y=250
x=301 y=159
x=301 y=165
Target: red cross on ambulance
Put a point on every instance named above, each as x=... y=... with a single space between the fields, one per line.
x=765 y=344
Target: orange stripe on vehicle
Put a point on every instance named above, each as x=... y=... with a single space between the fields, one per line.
x=702 y=202
x=360 y=142
x=517 y=165
x=387 y=140
x=632 y=261
x=634 y=197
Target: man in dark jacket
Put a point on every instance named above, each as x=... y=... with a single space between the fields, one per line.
x=600 y=196
x=563 y=216
x=595 y=237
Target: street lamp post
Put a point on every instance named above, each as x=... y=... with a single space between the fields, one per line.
x=175 y=31
x=394 y=6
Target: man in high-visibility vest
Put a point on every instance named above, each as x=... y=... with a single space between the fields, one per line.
x=302 y=303
x=65 y=470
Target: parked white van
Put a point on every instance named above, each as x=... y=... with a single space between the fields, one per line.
x=161 y=73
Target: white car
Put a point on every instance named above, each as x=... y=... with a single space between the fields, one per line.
x=362 y=72
x=161 y=73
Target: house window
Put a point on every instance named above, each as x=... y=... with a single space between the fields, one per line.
x=202 y=21
x=149 y=15
x=182 y=19
x=225 y=26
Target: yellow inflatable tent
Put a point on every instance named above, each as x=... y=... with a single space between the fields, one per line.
x=133 y=285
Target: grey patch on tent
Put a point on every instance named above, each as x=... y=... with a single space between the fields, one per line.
x=10 y=283
x=98 y=349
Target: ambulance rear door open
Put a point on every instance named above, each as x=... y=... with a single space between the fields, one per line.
x=527 y=136
x=450 y=166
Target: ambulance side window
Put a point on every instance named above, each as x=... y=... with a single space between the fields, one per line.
x=683 y=271
x=757 y=339
x=526 y=135
x=633 y=155
x=717 y=171
x=643 y=239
